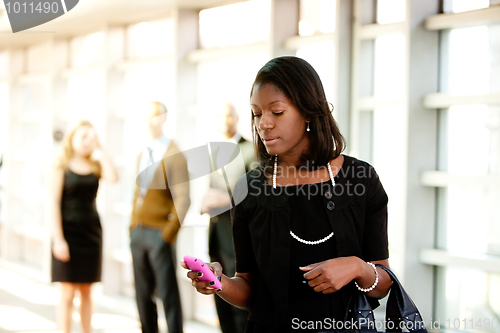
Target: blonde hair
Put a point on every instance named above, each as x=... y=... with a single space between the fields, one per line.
x=159 y=108
x=68 y=152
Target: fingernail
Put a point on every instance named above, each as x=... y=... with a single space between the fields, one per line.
x=212 y=283
x=199 y=274
x=219 y=290
x=220 y=278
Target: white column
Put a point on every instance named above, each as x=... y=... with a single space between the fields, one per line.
x=284 y=24
x=14 y=69
x=186 y=40
x=343 y=63
x=423 y=67
x=111 y=131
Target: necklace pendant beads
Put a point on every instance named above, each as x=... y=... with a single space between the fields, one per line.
x=319 y=241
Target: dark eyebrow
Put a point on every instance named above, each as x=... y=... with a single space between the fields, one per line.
x=273 y=102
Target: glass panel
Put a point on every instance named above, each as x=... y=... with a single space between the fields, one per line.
x=34 y=98
x=4 y=108
x=150 y=39
x=316 y=16
x=389 y=123
x=4 y=64
x=238 y=24
x=457 y=6
x=87 y=50
x=494 y=53
x=465 y=123
x=37 y=58
x=218 y=82
x=366 y=68
x=25 y=138
x=322 y=57
x=473 y=149
x=391 y=11
x=153 y=82
x=469 y=61
x=467 y=308
x=80 y=87
x=389 y=66
x=468 y=212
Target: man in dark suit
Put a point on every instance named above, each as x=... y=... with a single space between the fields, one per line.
x=217 y=199
x=155 y=223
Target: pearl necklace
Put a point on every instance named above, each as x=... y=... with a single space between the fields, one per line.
x=319 y=241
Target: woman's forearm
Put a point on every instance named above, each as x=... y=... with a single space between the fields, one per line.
x=236 y=291
x=366 y=279
x=57 y=183
x=56 y=230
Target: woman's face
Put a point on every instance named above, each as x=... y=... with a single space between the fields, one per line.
x=83 y=141
x=281 y=127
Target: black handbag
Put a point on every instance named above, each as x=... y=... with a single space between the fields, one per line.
x=400 y=312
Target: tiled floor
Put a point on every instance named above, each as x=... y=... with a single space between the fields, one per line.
x=27 y=306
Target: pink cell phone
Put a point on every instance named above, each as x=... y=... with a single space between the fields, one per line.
x=197 y=265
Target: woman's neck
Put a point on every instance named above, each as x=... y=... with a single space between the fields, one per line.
x=288 y=161
x=292 y=158
x=80 y=158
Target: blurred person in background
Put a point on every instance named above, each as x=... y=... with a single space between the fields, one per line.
x=156 y=222
x=76 y=228
x=217 y=203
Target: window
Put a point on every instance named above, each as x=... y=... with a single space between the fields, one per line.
x=458 y=6
x=390 y=11
x=322 y=57
x=470 y=148
x=87 y=50
x=217 y=83
x=150 y=39
x=238 y=24
x=316 y=16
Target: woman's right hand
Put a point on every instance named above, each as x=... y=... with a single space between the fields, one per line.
x=203 y=287
x=60 y=249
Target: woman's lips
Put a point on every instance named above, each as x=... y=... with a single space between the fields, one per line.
x=270 y=140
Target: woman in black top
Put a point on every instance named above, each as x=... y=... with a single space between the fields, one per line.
x=76 y=228
x=309 y=223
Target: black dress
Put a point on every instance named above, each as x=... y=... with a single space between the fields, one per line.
x=309 y=222
x=355 y=210
x=82 y=230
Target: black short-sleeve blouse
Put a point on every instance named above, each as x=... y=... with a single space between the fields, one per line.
x=356 y=209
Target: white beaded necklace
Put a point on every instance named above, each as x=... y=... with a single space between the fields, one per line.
x=319 y=241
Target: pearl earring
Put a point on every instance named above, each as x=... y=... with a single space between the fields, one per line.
x=308 y=128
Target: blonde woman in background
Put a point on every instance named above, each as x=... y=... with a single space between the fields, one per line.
x=76 y=229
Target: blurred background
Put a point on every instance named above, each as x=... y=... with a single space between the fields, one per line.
x=415 y=86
